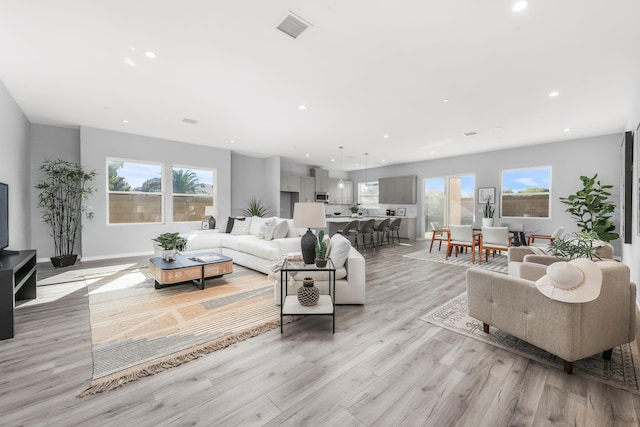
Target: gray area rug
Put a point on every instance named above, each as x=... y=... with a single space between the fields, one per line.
x=620 y=371
x=497 y=263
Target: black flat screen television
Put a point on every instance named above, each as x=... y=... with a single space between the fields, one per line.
x=4 y=216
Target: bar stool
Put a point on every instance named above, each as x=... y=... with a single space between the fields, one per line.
x=351 y=225
x=365 y=229
x=382 y=230
x=394 y=230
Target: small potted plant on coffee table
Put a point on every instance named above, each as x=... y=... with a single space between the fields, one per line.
x=170 y=243
x=321 y=251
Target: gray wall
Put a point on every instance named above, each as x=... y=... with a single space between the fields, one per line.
x=14 y=169
x=568 y=159
x=101 y=240
x=248 y=178
x=49 y=142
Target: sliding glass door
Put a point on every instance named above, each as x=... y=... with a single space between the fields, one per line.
x=449 y=200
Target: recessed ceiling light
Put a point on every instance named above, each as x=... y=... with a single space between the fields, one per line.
x=231 y=141
x=357 y=164
x=303 y=107
x=385 y=135
x=567 y=130
x=432 y=152
x=445 y=100
x=307 y=155
x=125 y=121
x=129 y=62
x=554 y=93
x=383 y=160
x=520 y=5
x=149 y=54
x=333 y=160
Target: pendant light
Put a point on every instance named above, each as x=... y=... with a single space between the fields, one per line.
x=341 y=182
x=364 y=186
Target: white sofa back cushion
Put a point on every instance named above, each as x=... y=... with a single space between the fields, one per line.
x=256 y=223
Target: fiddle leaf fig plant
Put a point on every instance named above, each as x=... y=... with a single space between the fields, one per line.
x=591 y=208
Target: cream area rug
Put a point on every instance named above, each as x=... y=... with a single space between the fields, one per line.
x=620 y=372
x=137 y=330
x=496 y=263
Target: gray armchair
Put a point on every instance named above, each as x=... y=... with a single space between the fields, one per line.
x=571 y=331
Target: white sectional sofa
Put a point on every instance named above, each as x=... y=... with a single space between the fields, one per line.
x=247 y=250
x=263 y=255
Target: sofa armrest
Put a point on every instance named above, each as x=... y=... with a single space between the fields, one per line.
x=517 y=253
x=287 y=245
x=542 y=259
x=355 y=266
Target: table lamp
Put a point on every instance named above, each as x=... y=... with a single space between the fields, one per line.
x=309 y=215
x=211 y=211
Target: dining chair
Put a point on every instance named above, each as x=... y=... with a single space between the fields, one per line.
x=493 y=239
x=351 y=225
x=531 y=240
x=382 y=230
x=517 y=231
x=439 y=235
x=394 y=230
x=461 y=237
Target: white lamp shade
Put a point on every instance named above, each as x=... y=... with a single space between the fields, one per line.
x=211 y=211
x=309 y=215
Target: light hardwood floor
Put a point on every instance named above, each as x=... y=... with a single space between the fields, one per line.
x=383 y=367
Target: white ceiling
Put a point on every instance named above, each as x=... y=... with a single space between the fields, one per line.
x=364 y=69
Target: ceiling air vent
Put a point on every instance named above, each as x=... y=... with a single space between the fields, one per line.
x=190 y=121
x=470 y=133
x=293 y=25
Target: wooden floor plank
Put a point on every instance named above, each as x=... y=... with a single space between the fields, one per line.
x=383 y=367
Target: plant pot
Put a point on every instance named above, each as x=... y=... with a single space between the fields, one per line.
x=321 y=263
x=487 y=222
x=63 y=261
x=169 y=254
x=308 y=294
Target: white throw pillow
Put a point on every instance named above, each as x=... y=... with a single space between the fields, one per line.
x=268 y=229
x=339 y=250
x=281 y=230
x=241 y=228
x=256 y=224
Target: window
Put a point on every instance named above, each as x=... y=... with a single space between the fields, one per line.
x=526 y=193
x=449 y=200
x=193 y=190
x=368 y=194
x=135 y=192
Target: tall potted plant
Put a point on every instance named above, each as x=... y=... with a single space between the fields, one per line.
x=487 y=215
x=255 y=208
x=591 y=208
x=63 y=187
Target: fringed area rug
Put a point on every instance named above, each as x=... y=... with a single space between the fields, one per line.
x=137 y=330
x=620 y=372
x=496 y=263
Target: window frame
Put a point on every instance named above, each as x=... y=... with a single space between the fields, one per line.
x=550 y=193
x=212 y=196
x=359 y=201
x=159 y=194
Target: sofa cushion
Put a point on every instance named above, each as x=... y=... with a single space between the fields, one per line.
x=241 y=228
x=281 y=230
x=230 y=223
x=269 y=229
x=258 y=248
x=256 y=223
x=339 y=250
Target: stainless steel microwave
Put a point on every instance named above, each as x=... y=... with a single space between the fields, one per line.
x=322 y=197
